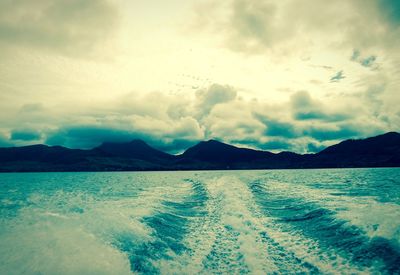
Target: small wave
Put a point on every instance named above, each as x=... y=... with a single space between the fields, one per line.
x=169 y=224
x=211 y=222
x=303 y=213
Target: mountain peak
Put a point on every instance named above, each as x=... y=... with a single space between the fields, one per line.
x=138 y=142
x=211 y=141
x=379 y=151
x=216 y=151
x=136 y=148
x=209 y=145
x=390 y=134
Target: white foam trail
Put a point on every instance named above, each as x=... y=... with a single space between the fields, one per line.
x=73 y=233
x=229 y=240
x=48 y=244
x=301 y=247
x=377 y=219
x=231 y=226
x=234 y=198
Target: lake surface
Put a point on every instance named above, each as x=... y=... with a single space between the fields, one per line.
x=208 y=222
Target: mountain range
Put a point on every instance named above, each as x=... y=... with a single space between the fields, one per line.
x=378 y=151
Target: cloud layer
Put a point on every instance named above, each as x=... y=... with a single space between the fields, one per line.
x=301 y=124
x=273 y=75
x=253 y=26
x=71 y=27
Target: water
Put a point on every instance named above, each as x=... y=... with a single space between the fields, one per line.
x=237 y=222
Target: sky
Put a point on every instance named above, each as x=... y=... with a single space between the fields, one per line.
x=273 y=75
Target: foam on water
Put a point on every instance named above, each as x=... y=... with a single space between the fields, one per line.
x=374 y=217
x=167 y=226
x=236 y=244
x=49 y=244
x=221 y=222
x=341 y=224
x=76 y=233
x=234 y=237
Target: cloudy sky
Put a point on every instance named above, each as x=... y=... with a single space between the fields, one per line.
x=276 y=75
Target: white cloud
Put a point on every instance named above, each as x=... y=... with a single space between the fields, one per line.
x=273 y=59
x=73 y=27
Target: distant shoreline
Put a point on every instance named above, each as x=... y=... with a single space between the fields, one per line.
x=203 y=170
x=374 y=152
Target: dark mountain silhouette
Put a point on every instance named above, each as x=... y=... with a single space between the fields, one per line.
x=217 y=155
x=43 y=153
x=379 y=151
x=135 y=155
x=136 y=149
x=215 y=151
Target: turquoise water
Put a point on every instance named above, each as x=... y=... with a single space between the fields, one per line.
x=209 y=222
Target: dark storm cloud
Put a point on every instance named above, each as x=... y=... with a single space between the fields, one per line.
x=308 y=115
x=308 y=132
x=277 y=144
x=306 y=108
x=319 y=115
x=338 y=133
x=391 y=9
x=275 y=128
x=337 y=77
x=4 y=142
x=87 y=136
x=314 y=148
x=25 y=135
x=72 y=27
x=369 y=61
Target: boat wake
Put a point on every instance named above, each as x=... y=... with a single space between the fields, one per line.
x=200 y=223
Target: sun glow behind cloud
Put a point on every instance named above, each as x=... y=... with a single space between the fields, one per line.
x=262 y=74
